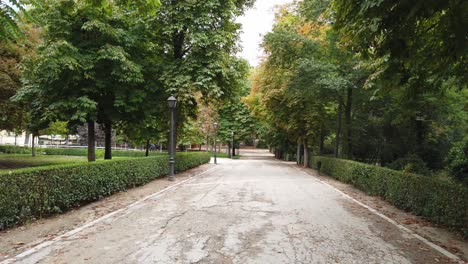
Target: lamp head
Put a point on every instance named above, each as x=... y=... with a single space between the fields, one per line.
x=172 y=102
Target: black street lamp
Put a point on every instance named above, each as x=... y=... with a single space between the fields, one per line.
x=172 y=103
x=215 y=125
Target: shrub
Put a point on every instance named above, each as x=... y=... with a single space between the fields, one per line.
x=410 y=164
x=37 y=192
x=14 y=150
x=458 y=160
x=441 y=201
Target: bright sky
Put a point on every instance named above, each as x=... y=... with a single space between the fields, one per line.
x=255 y=24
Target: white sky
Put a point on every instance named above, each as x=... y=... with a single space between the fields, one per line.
x=255 y=23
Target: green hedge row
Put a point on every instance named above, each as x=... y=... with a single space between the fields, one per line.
x=441 y=201
x=14 y=150
x=73 y=151
x=37 y=192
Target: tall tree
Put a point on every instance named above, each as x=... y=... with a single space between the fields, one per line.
x=87 y=69
x=198 y=40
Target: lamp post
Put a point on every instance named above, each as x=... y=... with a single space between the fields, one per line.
x=172 y=103
x=215 y=125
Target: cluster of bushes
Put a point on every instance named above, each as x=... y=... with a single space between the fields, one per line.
x=442 y=201
x=411 y=163
x=458 y=161
x=14 y=150
x=37 y=192
x=72 y=151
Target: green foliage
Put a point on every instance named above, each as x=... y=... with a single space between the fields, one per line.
x=441 y=201
x=93 y=64
x=57 y=128
x=13 y=115
x=424 y=36
x=410 y=164
x=38 y=192
x=458 y=160
x=4 y=149
x=12 y=13
x=190 y=133
x=351 y=79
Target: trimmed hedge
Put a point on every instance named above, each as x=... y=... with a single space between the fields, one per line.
x=441 y=201
x=37 y=192
x=14 y=150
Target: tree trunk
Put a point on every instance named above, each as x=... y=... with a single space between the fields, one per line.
x=147 y=147
x=26 y=139
x=33 y=147
x=108 y=140
x=67 y=141
x=298 y=152
x=306 y=153
x=322 y=140
x=348 y=143
x=16 y=137
x=338 y=128
x=91 y=142
x=233 y=149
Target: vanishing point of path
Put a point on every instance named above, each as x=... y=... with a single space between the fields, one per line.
x=253 y=210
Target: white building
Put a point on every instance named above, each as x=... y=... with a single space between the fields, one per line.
x=11 y=138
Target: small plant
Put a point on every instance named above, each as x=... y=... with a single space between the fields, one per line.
x=411 y=163
x=458 y=160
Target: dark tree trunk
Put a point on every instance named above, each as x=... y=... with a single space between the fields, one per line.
x=33 y=147
x=233 y=149
x=338 y=127
x=147 y=147
x=108 y=140
x=298 y=152
x=67 y=140
x=91 y=141
x=322 y=140
x=348 y=141
x=301 y=153
x=16 y=138
x=306 y=153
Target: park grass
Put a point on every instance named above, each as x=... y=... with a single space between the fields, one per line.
x=19 y=161
x=10 y=162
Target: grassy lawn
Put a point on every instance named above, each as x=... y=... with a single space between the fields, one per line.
x=19 y=161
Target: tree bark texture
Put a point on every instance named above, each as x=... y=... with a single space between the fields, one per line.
x=33 y=147
x=306 y=153
x=91 y=141
x=147 y=147
x=338 y=127
x=108 y=140
x=347 y=142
